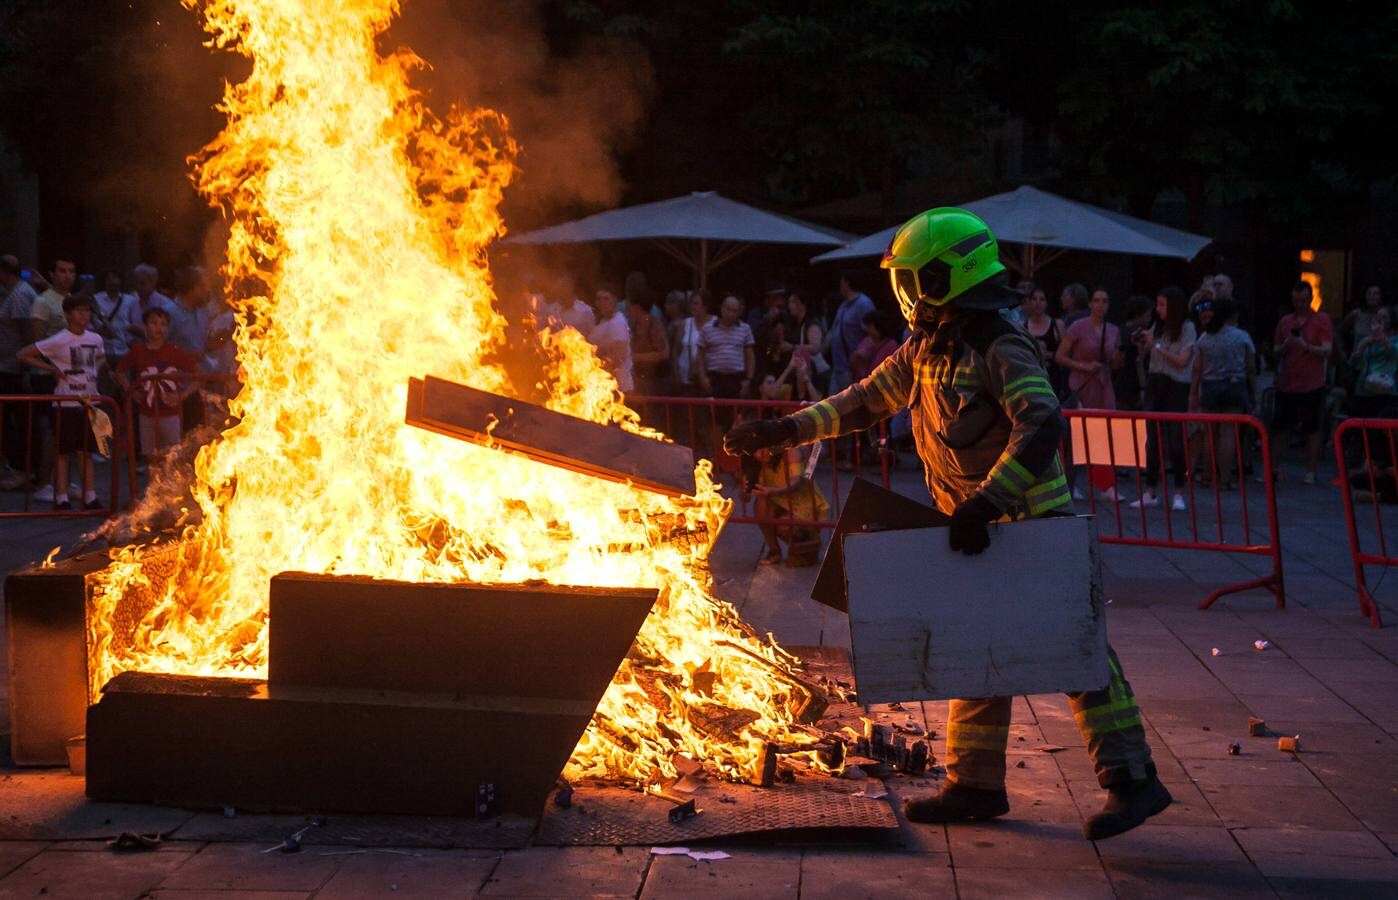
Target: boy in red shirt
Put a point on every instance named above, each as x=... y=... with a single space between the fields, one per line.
x=1302 y=344
x=158 y=399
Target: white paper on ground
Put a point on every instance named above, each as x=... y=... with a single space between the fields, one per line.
x=669 y=851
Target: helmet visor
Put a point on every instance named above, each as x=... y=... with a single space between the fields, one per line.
x=905 y=289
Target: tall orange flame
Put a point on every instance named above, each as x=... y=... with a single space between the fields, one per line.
x=359 y=223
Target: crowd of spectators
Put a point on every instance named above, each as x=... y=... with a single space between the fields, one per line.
x=1188 y=354
x=694 y=343
x=60 y=335
x=1173 y=352
x=69 y=333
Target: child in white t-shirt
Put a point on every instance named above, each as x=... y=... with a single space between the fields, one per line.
x=76 y=357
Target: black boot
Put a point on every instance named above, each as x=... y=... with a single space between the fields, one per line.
x=957 y=804
x=1127 y=806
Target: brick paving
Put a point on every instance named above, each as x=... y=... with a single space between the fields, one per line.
x=1320 y=823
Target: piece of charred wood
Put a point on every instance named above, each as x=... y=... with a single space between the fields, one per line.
x=541 y=434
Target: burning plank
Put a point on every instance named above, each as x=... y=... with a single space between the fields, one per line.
x=516 y=640
x=549 y=437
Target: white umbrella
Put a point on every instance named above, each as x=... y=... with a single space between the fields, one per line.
x=1037 y=219
x=700 y=218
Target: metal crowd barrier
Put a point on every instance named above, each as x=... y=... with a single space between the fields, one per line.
x=39 y=419
x=1217 y=517
x=1365 y=458
x=700 y=423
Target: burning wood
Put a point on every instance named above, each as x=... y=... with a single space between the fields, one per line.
x=549 y=437
x=320 y=473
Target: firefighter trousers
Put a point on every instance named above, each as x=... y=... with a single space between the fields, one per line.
x=978 y=732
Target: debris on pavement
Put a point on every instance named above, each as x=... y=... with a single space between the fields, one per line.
x=684 y=811
x=1215 y=652
x=1051 y=748
x=1289 y=744
x=130 y=840
x=701 y=855
x=1261 y=645
x=292 y=842
x=872 y=793
x=1257 y=727
x=1234 y=749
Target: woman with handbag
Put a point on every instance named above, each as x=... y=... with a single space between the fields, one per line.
x=1090 y=351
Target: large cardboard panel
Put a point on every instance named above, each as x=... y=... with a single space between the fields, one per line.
x=1025 y=617
x=45 y=629
x=868 y=507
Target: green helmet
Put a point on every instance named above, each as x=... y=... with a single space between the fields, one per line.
x=938 y=256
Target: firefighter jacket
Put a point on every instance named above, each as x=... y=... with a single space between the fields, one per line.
x=984 y=417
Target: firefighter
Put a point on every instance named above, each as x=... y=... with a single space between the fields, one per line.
x=988 y=428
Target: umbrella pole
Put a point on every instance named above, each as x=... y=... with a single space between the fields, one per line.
x=703 y=270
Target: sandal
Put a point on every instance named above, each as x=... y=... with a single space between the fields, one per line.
x=771 y=559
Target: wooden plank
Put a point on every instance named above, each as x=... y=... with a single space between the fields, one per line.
x=179 y=740
x=45 y=616
x=1025 y=617
x=868 y=507
x=535 y=640
x=549 y=437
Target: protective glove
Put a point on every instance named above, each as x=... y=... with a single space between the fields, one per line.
x=968 y=532
x=749 y=437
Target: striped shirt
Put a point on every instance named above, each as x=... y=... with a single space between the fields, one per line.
x=723 y=347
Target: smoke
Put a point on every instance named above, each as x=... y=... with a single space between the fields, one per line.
x=165 y=507
x=142 y=140
x=570 y=111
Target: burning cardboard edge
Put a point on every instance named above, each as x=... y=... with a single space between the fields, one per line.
x=549 y=437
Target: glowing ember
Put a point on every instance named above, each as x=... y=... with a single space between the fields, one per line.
x=358 y=225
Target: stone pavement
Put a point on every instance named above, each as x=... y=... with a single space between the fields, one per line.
x=1319 y=823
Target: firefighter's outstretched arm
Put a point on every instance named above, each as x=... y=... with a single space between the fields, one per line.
x=859 y=406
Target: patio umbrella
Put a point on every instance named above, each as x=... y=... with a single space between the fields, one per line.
x=686 y=227
x=1046 y=225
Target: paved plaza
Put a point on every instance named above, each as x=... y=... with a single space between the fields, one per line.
x=1319 y=823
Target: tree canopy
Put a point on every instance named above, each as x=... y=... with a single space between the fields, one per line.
x=1276 y=104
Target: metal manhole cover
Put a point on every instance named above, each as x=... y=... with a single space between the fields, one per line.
x=613 y=815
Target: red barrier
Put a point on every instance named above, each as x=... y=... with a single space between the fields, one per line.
x=38 y=416
x=1375 y=475
x=1162 y=447
x=700 y=422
